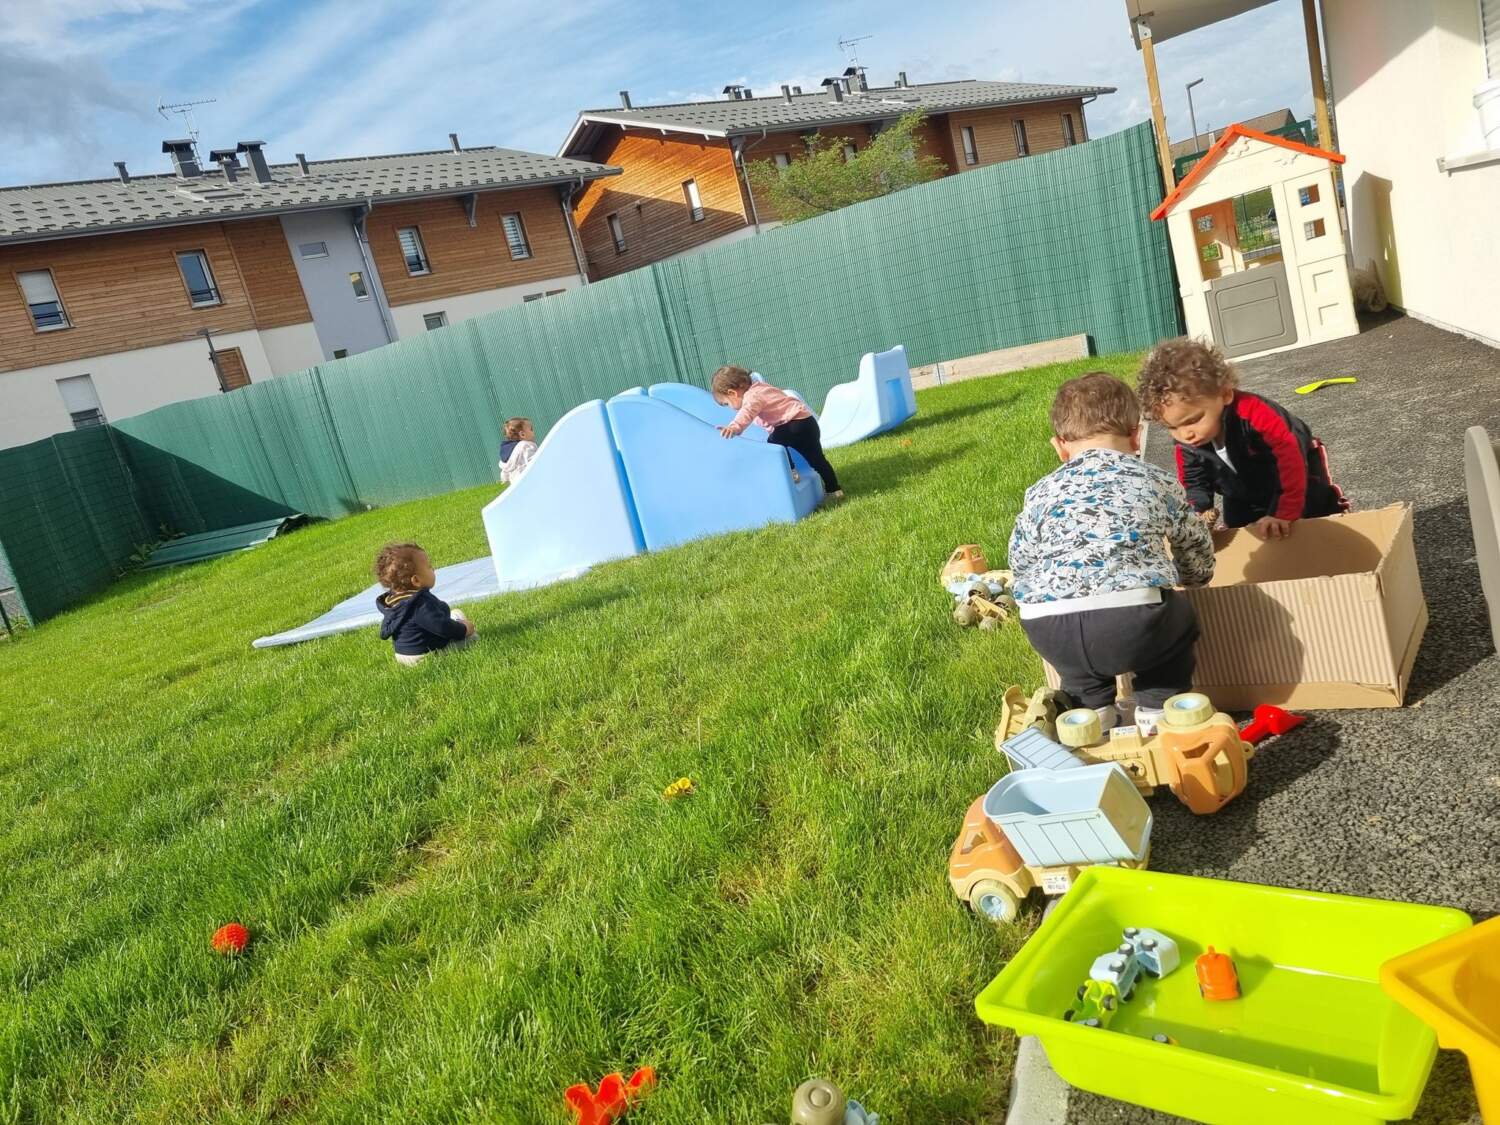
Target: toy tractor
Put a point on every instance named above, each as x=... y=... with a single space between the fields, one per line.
x=1197 y=752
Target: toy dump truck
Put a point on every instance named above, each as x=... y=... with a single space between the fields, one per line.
x=1040 y=827
x=981 y=596
x=1197 y=752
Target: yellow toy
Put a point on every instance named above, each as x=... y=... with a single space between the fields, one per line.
x=679 y=788
x=1308 y=388
x=1197 y=751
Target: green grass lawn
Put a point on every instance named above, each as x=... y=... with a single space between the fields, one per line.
x=464 y=887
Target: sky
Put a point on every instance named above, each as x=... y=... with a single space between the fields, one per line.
x=81 y=80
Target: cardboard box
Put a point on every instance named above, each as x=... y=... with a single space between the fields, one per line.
x=1330 y=618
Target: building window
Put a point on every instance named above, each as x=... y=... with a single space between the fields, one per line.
x=971 y=150
x=617 y=232
x=413 y=251
x=1069 y=137
x=312 y=250
x=81 y=401
x=198 y=278
x=42 y=301
x=1314 y=229
x=434 y=320
x=340 y=353
x=783 y=161
x=532 y=297
x=515 y=236
x=1307 y=196
x=1022 y=148
x=849 y=150
x=694 y=200
x=357 y=282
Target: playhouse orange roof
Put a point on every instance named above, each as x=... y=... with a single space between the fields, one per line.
x=1217 y=149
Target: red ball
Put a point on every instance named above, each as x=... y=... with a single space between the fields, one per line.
x=231 y=938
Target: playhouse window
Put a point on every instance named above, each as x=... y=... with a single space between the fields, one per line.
x=1236 y=234
x=1313 y=229
x=1307 y=196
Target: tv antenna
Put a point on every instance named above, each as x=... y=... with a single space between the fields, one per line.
x=851 y=46
x=184 y=110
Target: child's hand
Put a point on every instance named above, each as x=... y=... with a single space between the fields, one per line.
x=725 y=431
x=1269 y=527
x=1210 y=517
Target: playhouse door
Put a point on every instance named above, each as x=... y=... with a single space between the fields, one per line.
x=1252 y=311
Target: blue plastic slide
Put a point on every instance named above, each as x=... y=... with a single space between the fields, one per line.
x=879 y=399
x=571 y=509
x=687 y=481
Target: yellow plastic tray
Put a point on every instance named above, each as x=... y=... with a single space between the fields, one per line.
x=1453 y=986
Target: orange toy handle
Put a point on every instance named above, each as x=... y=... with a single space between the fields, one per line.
x=1199 y=783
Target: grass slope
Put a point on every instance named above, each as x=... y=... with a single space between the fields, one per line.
x=465 y=889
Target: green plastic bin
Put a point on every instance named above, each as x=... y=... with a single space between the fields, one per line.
x=1312 y=1039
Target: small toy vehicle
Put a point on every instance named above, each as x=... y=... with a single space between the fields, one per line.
x=1097 y=1001
x=981 y=599
x=1157 y=952
x=1122 y=968
x=1217 y=979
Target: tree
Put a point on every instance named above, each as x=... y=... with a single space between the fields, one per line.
x=827 y=180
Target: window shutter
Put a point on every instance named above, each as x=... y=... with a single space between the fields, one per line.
x=37 y=286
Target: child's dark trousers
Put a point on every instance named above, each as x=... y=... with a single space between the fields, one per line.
x=1152 y=642
x=803 y=435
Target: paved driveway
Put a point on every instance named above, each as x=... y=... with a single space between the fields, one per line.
x=1393 y=804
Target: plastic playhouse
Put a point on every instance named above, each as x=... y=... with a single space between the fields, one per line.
x=1259 y=249
x=1453 y=986
x=1311 y=1039
x=1197 y=752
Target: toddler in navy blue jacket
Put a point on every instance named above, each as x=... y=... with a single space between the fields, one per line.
x=415 y=620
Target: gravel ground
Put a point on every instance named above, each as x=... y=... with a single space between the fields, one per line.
x=1392 y=804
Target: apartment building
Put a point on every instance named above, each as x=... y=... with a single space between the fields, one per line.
x=121 y=295
x=683 y=183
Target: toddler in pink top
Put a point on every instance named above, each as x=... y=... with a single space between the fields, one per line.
x=790 y=422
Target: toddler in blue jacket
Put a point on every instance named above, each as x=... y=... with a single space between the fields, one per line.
x=415 y=620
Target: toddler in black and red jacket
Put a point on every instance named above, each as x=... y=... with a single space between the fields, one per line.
x=1260 y=457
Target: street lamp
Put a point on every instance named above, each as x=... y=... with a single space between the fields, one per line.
x=1191 y=116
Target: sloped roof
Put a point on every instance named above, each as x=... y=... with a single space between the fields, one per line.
x=728 y=117
x=43 y=211
x=1264 y=122
x=1211 y=157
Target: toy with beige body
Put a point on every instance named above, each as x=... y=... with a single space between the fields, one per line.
x=1197 y=752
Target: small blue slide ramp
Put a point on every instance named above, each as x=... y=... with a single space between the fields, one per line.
x=879 y=399
x=701 y=405
x=572 y=508
x=687 y=481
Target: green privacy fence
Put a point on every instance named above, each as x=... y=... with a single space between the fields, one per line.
x=1023 y=251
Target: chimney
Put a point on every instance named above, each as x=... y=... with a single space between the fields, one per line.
x=733 y=92
x=854 y=77
x=796 y=89
x=227 y=161
x=786 y=94
x=749 y=93
x=120 y=168
x=625 y=99
x=453 y=142
x=302 y=164
x=901 y=79
x=835 y=88
x=257 y=160
x=184 y=159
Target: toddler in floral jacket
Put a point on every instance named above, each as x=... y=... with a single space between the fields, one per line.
x=1093 y=578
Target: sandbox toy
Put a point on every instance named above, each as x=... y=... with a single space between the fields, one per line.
x=1039 y=828
x=981 y=596
x=1197 y=752
x=1312 y=1040
x=1453 y=986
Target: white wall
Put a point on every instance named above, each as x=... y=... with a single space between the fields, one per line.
x=1404 y=73
x=408 y=318
x=127 y=383
x=292 y=348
